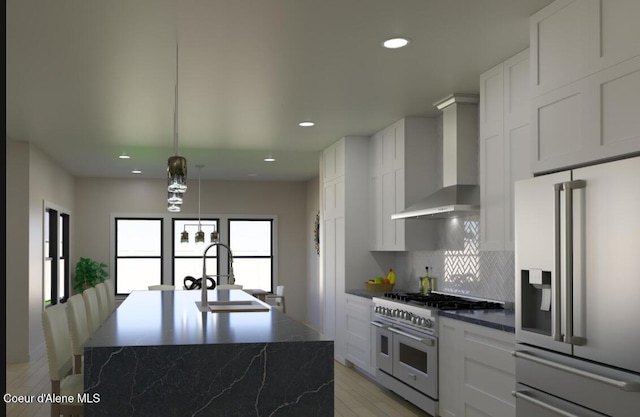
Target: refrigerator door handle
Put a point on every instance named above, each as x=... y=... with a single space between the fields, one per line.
x=526 y=397
x=569 y=186
x=629 y=386
x=557 y=322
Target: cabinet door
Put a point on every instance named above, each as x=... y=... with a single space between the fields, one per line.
x=559 y=36
x=613 y=100
x=559 y=125
x=517 y=135
x=358 y=331
x=615 y=32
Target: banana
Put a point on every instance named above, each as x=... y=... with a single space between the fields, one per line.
x=391 y=276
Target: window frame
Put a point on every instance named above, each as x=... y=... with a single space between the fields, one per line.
x=115 y=256
x=57 y=228
x=167 y=242
x=272 y=257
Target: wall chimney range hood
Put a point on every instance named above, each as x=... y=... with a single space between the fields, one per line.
x=460 y=194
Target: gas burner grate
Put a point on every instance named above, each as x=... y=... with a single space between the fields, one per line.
x=443 y=301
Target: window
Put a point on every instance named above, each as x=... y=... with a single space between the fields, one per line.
x=56 y=255
x=187 y=257
x=251 y=241
x=138 y=253
x=147 y=250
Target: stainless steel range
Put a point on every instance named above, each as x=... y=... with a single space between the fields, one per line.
x=406 y=327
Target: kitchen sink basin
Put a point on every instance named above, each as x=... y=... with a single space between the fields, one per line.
x=225 y=306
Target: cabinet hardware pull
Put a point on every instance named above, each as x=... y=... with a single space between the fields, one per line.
x=521 y=395
x=428 y=342
x=630 y=386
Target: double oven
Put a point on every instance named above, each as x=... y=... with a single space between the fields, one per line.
x=407 y=351
x=406 y=329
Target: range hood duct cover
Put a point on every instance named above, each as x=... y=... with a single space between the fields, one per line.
x=460 y=194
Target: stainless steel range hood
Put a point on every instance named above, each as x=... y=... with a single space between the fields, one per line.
x=460 y=194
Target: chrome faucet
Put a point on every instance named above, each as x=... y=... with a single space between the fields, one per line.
x=230 y=276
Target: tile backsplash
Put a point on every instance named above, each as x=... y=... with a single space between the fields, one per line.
x=459 y=266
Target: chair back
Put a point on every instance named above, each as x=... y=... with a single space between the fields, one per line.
x=162 y=287
x=103 y=301
x=56 y=337
x=280 y=290
x=277 y=299
x=78 y=328
x=111 y=294
x=60 y=358
x=93 y=313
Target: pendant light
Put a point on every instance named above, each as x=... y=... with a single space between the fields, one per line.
x=176 y=165
x=199 y=233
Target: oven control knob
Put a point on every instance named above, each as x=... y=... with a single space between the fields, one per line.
x=426 y=323
x=387 y=312
x=415 y=319
x=396 y=312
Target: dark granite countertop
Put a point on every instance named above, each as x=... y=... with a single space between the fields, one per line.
x=363 y=292
x=496 y=319
x=169 y=318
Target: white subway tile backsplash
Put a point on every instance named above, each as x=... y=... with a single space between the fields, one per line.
x=459 y=266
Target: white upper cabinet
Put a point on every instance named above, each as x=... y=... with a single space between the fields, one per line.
x=505 y=146
x=402 y=170
x=585 y=80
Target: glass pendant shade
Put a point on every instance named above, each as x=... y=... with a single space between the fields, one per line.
x=184 y=237
x=177 y=174
x=174 y=198
x=214 y=236
x=199 y=236
x=173 y=208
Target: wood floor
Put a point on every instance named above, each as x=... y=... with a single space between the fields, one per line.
x=355 y=394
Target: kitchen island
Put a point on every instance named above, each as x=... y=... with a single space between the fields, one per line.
x=158 y=355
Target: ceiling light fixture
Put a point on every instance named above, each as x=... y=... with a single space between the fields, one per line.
x=307 y=123
x=395 y=43
x=124 y=156
x=136 y=171
x=269 y=158
x=176 y=165
x=184 y=235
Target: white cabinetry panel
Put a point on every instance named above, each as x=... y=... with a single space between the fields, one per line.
x=476 y=370
x=585 y=82
x=403 y=160
x=358 y=331
x=504 y=147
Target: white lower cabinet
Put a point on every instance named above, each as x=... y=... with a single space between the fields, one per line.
x=358 y=333
x=476 y=370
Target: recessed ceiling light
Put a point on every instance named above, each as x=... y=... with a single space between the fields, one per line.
x=124 y=156
x=269 y=158
x=307 y=123
x=395 y=43
x=136 y=171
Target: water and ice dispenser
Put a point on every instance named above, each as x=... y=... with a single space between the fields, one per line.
x=536 y=300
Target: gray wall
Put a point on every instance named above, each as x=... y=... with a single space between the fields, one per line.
x=34 y=178
x=98 y=198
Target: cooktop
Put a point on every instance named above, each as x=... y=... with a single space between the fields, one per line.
x=443 y=301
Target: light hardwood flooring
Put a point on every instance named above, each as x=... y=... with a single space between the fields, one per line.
x=355 y=394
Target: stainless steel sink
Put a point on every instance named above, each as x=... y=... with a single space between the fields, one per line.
x=226 y=306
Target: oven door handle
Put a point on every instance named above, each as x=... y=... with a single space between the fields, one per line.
x=378 y=324
x=428 y=342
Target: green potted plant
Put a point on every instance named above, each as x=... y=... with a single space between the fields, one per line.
x=89 y=273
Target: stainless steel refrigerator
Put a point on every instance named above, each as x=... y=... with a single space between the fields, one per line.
x=577 y=263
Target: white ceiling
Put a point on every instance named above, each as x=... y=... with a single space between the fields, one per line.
x=89 y=80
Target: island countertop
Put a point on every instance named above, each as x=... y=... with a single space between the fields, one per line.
x=166 y=318
x=159 y=355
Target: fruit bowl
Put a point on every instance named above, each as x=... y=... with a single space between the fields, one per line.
x=378 y=287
